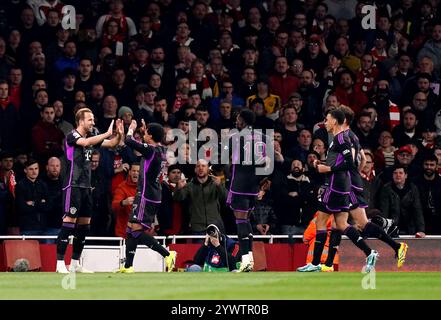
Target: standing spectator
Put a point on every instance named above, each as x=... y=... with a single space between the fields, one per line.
x=364 y=131
x=9 y=120
x=290 y=129
x=127 y=27
x=59 y=121
x=15 y=88
x=304 y=141
x=432 y=48
x=295 y=203
x=47 y=139
x=400 y=201
x=123 y=198
x=347 y=92
x=204 y=194
x=69 y=58
x=109 y=113
x=385 y=154
x=429 y=186
x=406 y=132
x=281 y=83
x=54 y=185
x=170 y=215
x=32 y=201
x=271 y=102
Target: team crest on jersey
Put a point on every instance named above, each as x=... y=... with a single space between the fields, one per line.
x=73 y=210
x=215 y=259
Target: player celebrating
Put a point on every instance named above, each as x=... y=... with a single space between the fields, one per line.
x=358 y=204
x=334 y=196
x=148 y=195
x=248 y=153
x=77 y=189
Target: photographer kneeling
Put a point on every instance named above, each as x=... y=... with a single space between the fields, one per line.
x=217 y=254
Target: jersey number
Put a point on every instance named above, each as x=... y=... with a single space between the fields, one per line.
x=259 y=153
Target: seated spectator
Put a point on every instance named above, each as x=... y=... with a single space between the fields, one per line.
x=217 y=254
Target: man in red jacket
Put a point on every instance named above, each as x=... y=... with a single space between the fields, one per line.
x=47 y=139
x=280 y=82
x=123 y=199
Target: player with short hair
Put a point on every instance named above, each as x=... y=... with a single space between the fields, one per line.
x=358 y=203
x=148 y=194
x=248 y=153
x=77 y=190
x=334 y=196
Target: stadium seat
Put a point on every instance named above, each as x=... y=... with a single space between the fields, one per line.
x=22 y=249
x=259 y=256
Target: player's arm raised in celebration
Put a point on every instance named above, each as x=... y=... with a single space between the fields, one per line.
x=116 y=139
x=143 y=148
x=91 y=141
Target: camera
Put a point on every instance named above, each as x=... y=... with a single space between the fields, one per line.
x=213 y=231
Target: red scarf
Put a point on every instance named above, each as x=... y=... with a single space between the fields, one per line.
x=206 y=89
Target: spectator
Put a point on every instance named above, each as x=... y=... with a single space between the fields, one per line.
x=281 y=83
x=53 y=181
x=262 y=121
x=365 y=133
x=217 y=254
x=348 y=94
x=429 y=187
x=271 y=102
x=297 y=194
x=406 y=132
x=290 y=129
x=9 y=120
x=385 y=154
x=69 y=58
x=400 y=201
x=32 y=201
x=123 y=198
x=170 y=216
x=47 y=139
x=59 y=121
x=204 y=194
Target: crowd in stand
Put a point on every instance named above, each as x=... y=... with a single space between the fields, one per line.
x=174 y=62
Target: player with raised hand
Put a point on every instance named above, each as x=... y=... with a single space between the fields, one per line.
x=358 y=203
x=334 y=196
x=148 y=194
x=77 y=190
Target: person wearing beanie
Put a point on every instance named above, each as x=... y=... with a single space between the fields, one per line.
x=126 y=114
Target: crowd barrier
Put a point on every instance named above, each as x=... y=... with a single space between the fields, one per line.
x=273 y=252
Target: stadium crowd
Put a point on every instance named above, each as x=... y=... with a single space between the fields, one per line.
x=174 y=62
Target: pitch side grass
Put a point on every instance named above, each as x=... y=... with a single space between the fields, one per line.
x=219 y=286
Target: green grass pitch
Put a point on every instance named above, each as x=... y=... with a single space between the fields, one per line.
x=220 y=286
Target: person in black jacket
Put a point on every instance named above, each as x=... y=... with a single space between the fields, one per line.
x=217 y=254
x=54 y=184
x=429 y=185
x=32 y=201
